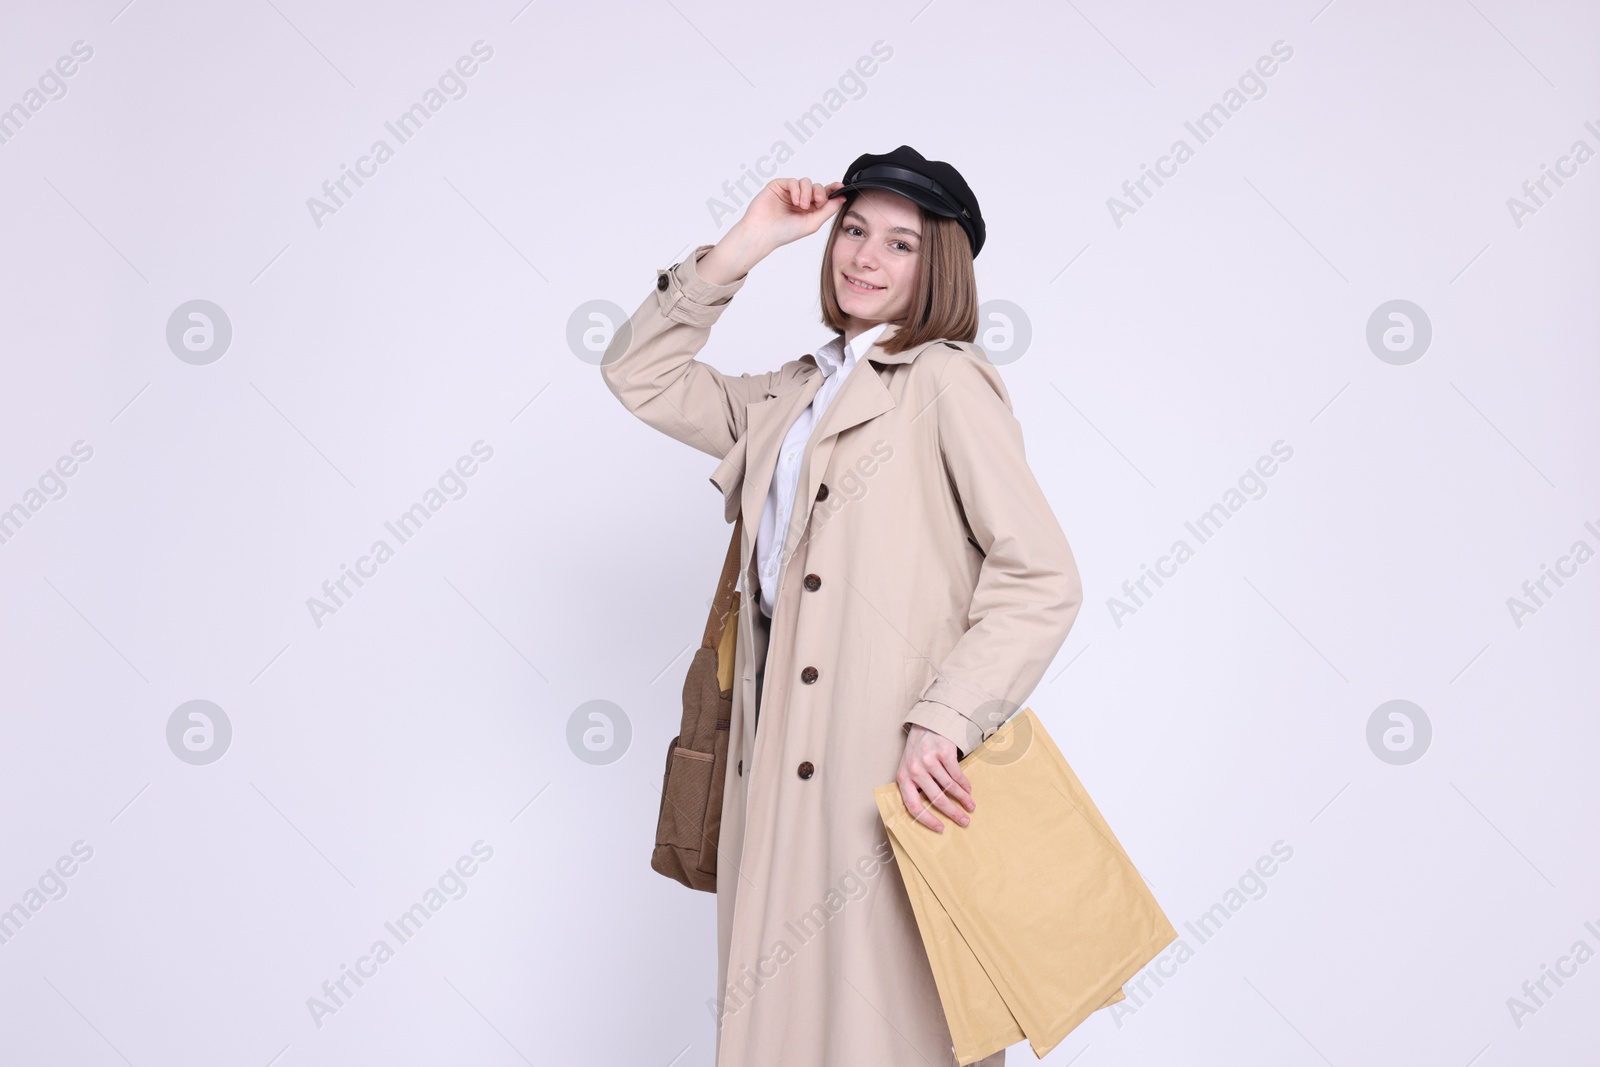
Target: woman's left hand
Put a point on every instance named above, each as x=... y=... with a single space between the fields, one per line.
x=929 y=766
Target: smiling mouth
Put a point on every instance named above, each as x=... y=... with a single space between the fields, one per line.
x=861 y=286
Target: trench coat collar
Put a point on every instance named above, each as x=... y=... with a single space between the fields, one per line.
x=830 y=358
x=745 y=473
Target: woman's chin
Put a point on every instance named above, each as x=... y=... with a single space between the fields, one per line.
x=859 y=307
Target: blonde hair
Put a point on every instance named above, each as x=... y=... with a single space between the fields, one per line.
x=944 y=299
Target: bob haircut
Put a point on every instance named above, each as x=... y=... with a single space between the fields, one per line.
x=944 y=300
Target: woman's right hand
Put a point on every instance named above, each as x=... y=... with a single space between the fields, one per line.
x=786 y=209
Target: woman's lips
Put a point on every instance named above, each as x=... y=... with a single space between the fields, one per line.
x=859 y=288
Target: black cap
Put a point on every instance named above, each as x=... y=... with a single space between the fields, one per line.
x=935 y=185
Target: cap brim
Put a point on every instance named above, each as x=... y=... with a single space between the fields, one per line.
x=913 y=193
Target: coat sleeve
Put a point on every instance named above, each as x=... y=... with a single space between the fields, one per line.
x=1028 y=590
x=650 y=365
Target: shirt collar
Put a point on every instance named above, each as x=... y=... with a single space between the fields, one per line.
x=830 y=357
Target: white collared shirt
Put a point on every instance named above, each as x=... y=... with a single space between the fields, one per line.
x=836 y=360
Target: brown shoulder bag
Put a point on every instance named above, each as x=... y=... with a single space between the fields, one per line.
x=690 y=819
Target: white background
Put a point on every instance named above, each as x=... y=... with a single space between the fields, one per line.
x=431 y=311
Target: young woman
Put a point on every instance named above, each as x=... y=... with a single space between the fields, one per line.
x=905 y=586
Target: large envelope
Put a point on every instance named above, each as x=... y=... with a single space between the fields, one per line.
x=1032 y=914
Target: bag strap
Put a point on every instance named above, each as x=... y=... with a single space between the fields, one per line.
x=723 y=604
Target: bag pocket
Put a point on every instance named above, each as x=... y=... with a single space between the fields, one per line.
x=712 y=824
x=683 y=800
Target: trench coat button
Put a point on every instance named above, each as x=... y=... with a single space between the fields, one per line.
x=822 y=491
x=741 y=768
x=805 y=769
x=813 y=582
x=808 y=675
x=661 y=283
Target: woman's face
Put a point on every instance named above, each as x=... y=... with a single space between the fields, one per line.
x=875 y=257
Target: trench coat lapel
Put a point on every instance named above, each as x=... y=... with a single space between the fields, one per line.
x=863 y=397
x=746 y=472
x=767 y=423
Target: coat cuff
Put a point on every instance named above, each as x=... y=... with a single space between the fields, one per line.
x=690 y=299
x=948 y=723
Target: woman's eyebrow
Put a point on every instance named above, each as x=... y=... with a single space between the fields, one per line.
x=892 y=229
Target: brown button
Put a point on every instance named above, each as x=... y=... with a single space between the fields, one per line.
x=741 y=767
x=822 y=491
x=805 y=769
x=807 y=676
x=661 y=284
x=813 y=582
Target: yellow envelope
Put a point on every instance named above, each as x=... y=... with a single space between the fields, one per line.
x=1032 y=914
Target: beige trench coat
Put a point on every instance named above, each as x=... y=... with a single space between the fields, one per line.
x=925 y=580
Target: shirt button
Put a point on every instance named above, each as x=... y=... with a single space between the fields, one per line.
x=661 y=283
x=741 y=768
x=822 y=491
x=813 y=582
x=805 y=770
x=808 y=675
